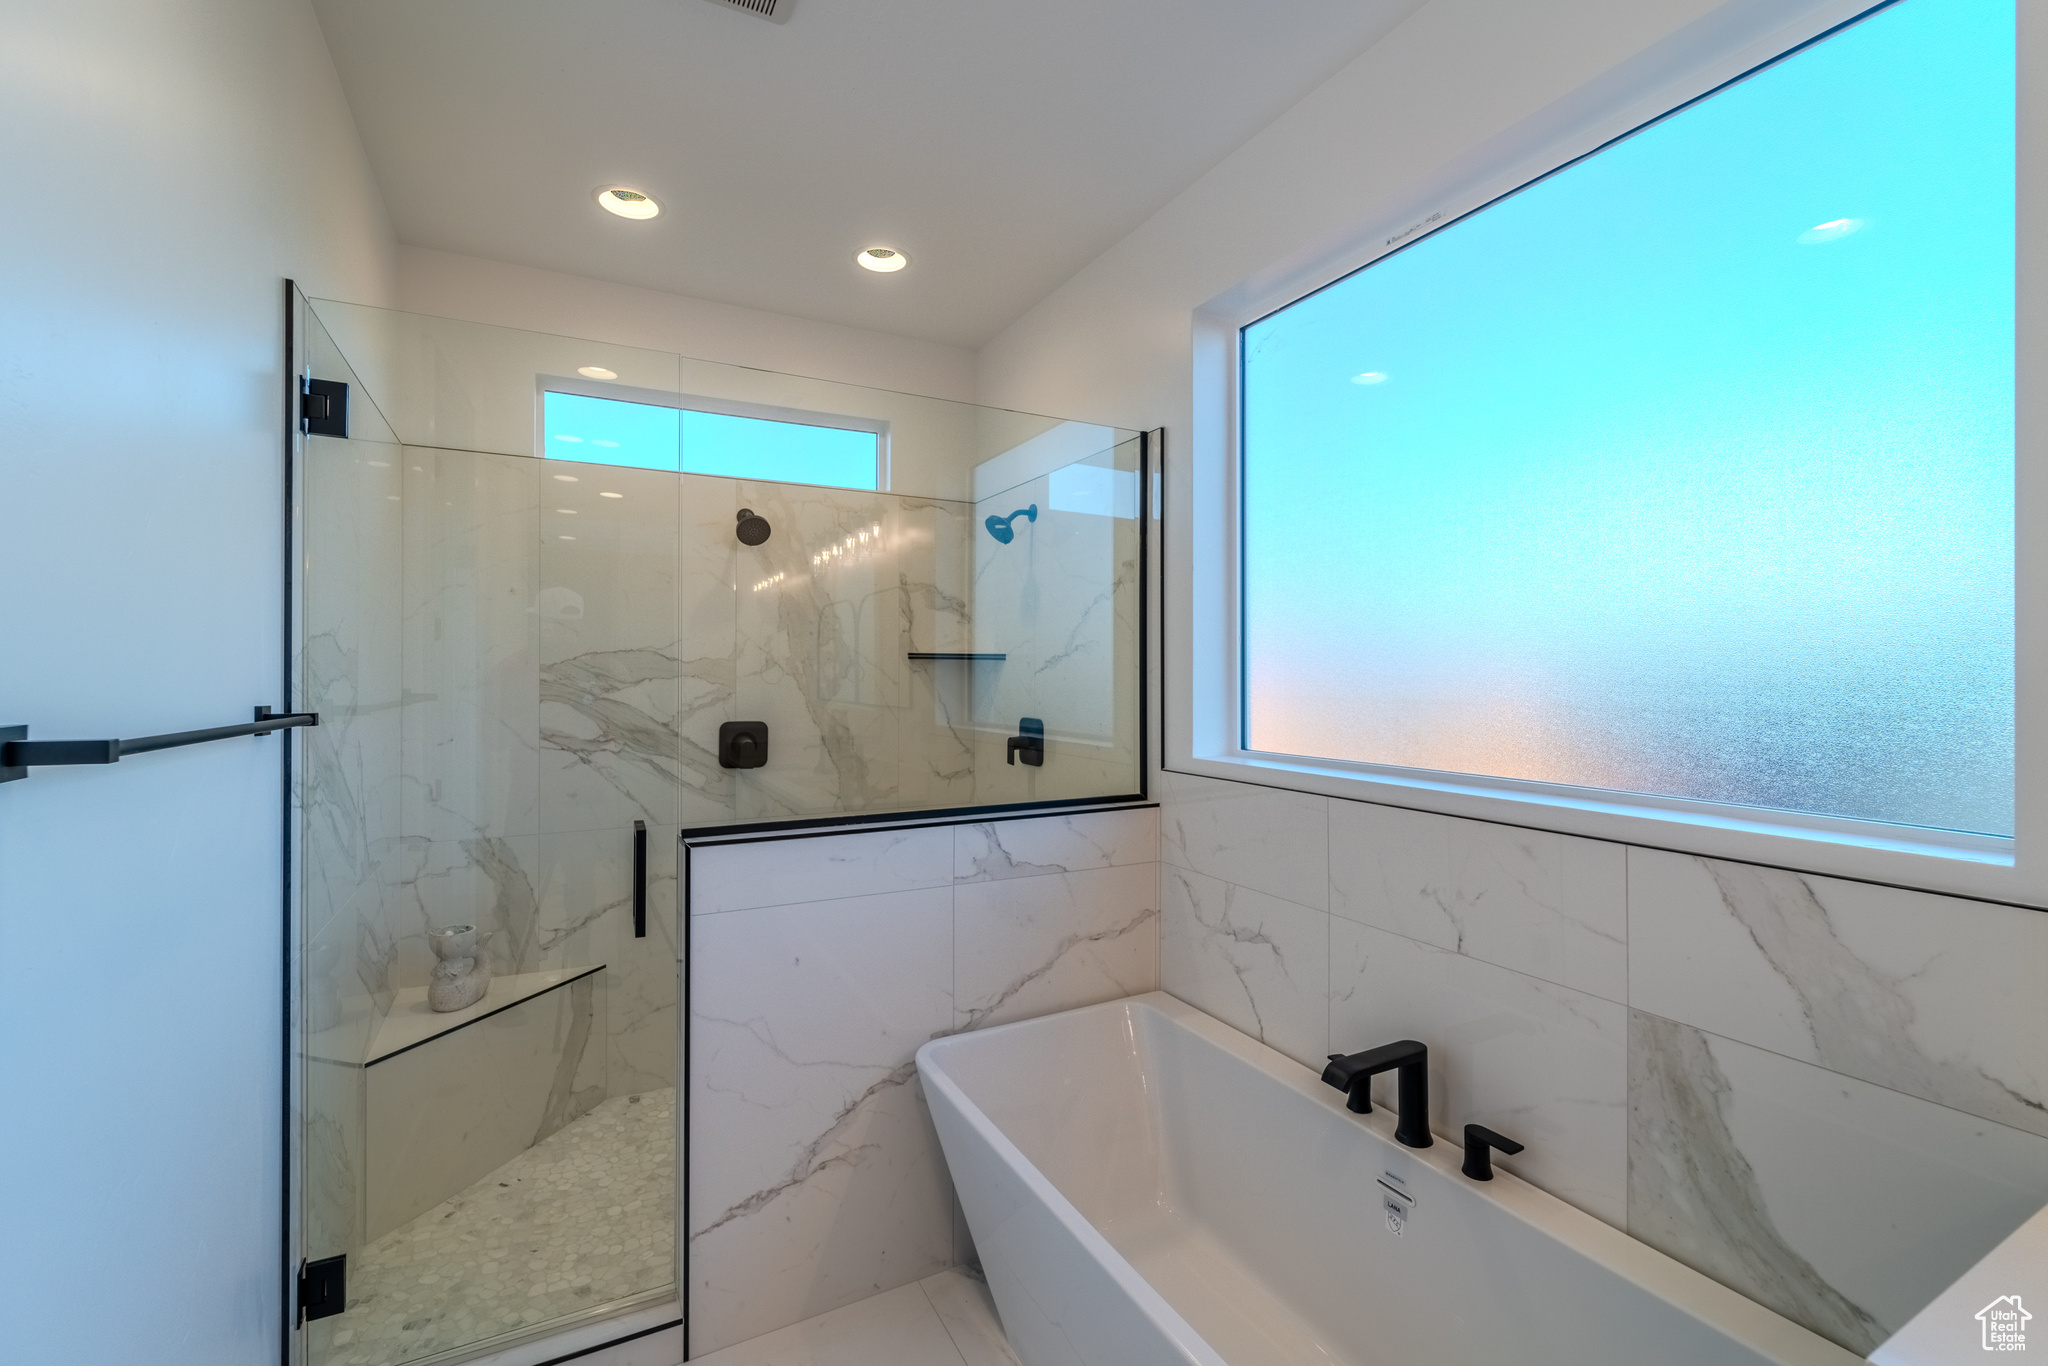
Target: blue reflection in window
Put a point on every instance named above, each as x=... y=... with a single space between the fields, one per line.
x=794 y=452
x=607 y=431
x=1685 y=471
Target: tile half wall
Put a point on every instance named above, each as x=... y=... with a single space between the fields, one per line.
x=818 y=965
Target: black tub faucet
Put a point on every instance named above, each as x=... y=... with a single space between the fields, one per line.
x=1353 y=1074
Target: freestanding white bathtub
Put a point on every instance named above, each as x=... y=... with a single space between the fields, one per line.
x=1147 y=1186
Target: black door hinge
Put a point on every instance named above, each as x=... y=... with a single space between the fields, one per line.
x=323 y=408
x=323 y=1288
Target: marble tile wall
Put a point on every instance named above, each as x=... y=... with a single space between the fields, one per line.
x=446 y=1114
x=572 y=636
x=828 y=610
x=349 y=805
x=1825 y=1094
x=1060 y=599
x=569 y=659
x=818 y=966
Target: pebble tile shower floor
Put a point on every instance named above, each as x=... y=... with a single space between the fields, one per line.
x=583 y=1218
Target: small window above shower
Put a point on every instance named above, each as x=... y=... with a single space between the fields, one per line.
x=664 y=433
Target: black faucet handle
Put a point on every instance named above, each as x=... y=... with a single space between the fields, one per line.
x=1479 y=1143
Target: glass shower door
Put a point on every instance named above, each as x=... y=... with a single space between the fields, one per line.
x=489 y=961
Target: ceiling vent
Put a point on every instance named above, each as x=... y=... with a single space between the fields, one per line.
x=776 y=11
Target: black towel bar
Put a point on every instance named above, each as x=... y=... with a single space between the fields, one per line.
x=18 y=753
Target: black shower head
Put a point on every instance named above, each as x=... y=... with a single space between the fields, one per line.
x=753 y=528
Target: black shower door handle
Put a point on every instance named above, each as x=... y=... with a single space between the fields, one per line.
x=639 y=879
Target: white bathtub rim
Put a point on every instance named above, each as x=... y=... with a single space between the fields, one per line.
x=1666 y=1279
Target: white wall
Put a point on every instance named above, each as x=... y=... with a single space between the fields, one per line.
x=452 y=286
x=167 y=163
x=1828 y=1094
x=1111 y=345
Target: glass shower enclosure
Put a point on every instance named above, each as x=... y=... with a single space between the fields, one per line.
x=536 y=638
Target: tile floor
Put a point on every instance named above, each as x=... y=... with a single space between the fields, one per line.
x=943 y=1320
x=583 y=1218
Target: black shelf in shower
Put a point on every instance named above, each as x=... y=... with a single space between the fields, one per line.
x=949 y=654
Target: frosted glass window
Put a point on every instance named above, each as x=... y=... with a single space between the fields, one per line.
x=1686 y=471
x=609 y=431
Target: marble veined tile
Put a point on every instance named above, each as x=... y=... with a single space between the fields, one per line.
x=1844 y=1206
x=937 y=740
x=442 y=1115
x=1549 y=905
x=1049 y=599
x=969 y=1312
x=1255 y=962
x=1031 y=946
x=1055 y=844
x=899 y=1327
x=1936 y=996
x=1264 y=838
x=472 y=647
x=708 y=643
x=586 y=916
x=824 y=627
x=1541 y=1063
x=816 y=1177
x=610 y=750
x=491 y=883
x=730 y=877
x=349 y=668
x=610 y=652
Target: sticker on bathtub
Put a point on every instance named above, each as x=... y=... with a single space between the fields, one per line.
x=2005 y=1324
x=1400 y=1205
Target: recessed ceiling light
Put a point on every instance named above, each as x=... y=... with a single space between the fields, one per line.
x=567 y=512
x=1369 y=377
x=565 y=479
x=611 y=495
x=883 y=259
x=596 y=372
x=627 y=203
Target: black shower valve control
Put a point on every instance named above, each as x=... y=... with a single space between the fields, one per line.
x=1028 y=744
x=743 y=744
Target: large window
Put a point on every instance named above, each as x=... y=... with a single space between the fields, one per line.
x=1686 y=470
x=610 y=431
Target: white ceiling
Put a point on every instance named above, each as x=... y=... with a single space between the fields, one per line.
x=1001 y=143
